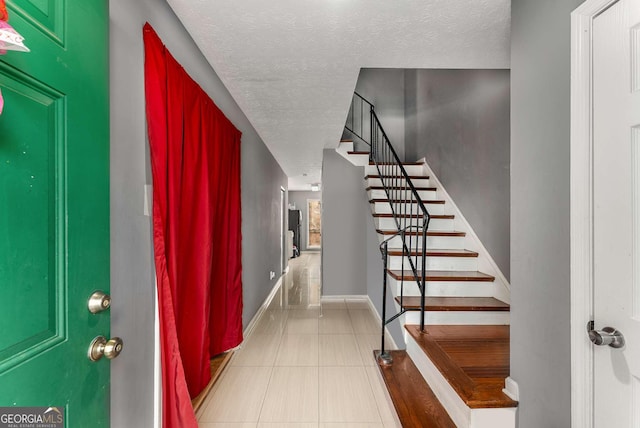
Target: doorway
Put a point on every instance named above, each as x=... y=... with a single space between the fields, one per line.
x=605 y=190
x=314 y=223
x=283 y=228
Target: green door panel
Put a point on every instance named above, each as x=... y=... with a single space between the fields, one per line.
x=54 y=208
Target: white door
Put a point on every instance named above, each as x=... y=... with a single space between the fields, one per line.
x=616 y=211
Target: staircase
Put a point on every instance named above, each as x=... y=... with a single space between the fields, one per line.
x=449 y=295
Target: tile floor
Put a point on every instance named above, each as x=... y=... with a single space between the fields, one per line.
x=307 y=363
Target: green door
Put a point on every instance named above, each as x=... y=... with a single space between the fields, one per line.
x=54 y=209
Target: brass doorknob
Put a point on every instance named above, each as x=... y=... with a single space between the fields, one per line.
x=101 y=347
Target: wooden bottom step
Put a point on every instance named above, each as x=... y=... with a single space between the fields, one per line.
x=412 y=398
x=474 y=359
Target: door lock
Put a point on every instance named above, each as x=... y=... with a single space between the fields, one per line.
x=99 y=302
x=101 y=347
x=608 y=336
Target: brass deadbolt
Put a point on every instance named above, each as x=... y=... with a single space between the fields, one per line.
x=99 y=302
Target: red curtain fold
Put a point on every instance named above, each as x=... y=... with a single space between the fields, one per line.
x=195 y=159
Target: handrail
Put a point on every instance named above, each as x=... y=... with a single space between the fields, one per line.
x=406 y=205
x=358 y=118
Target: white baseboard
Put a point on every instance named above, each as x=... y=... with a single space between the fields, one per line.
x=387 y=333
x=247 y=331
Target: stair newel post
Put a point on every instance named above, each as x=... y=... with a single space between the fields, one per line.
x=384 y=357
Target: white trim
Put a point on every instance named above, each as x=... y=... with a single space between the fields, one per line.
x=502 y=288
x=387 y=333
x=247 y=331
x=581 y=168
x=511 y=389
x=157 y=362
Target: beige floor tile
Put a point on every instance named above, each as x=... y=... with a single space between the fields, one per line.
x=333 y=304
x=292 y=395
x=302 y=326
x=308 y=312
x=271 y=322
x=334 y=321
x=364 y=321
x=353 y=425
x=227 y=425
x=259 y=350
x=367 y=343
x=298 y=350
x=287 y=425
x=383 y=400
x=346 y=396
x=357 y=304
x=339 y=350
x=238 y=396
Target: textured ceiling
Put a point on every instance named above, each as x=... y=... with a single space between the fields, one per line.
x=292 y=65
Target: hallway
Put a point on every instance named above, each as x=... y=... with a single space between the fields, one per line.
x=307 y=363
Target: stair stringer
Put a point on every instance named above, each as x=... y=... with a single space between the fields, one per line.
x=486 y=264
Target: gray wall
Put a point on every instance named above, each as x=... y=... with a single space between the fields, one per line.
x=344 y=206
x=459 y=121
x=540 y=241
x=299 y=198
x=351 y=260
x=384 y=88
x=132 y=271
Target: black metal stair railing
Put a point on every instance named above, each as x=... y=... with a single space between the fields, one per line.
x=411 y=218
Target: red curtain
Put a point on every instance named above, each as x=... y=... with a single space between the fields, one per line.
x=195 y=159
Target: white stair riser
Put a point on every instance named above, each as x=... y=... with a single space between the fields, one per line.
x=460 y=413
x=425 y=195
x=390 y=169
x=399 y=182
x=448 y=242
x=388 y=223
x=458 y=318
x=385 y=208
x=358 y=159
x=443 y=288
x=436 y=263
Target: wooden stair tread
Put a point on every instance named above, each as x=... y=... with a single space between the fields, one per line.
x=356 y=152
x=413 y=177
x=443 y=275
x=433 y=216
x=475 y=304
x=425 y=201
x=474 y=359
x=431 y=252
x=429 y=232
x=431 y=189
x=415 y=403
x=393 y=163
